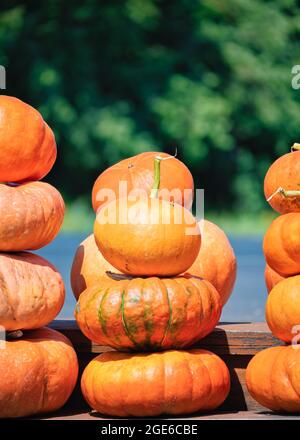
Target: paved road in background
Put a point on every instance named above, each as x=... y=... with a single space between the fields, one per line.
x=246 y=303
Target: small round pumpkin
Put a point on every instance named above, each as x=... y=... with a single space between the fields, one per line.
x=282 y=184
x=273 y=378
x=138 y=173
x=148 y=237
x=31 y=216
x=283 y=308
x=89 y=266
x=27 y=143
x=150 y=313
x=282 y=244
x=216 y=261
x=38 y=373
x=142 y=385
x=272 y=278
x=32 y=291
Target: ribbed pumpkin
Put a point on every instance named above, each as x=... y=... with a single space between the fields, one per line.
x=37 y=373
x=273 y=378
x=271 y=278
x=150 y=313
x=172 y=382
x=282 y=182
x=216 y=261
x=27 y=144
x=138 y=173
x=283 y=308
x=282 y=244
x=138 y=241
x=32 y=291
x=89 y=266
x=31 y=216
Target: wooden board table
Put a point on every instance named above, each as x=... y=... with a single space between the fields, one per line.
x=235 y=343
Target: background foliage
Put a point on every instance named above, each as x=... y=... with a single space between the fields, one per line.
x=114 y=78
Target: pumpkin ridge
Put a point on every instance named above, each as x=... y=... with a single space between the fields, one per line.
x=169 y=324
x=101 y=319
x=127 y=331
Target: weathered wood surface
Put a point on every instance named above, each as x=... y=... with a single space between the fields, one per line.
x=235 y=343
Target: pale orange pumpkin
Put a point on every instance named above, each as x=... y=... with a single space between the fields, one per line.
x=148 y=237
x=142 y=385
x=31 y=215
x=38 y=373
x=32 y=291
x=27 y=143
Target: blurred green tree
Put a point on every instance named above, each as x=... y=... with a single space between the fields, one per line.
x=116 y=77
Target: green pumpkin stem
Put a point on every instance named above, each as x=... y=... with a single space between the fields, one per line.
x=155 y=188
x=284 y=193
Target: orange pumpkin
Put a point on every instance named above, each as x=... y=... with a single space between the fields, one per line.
x=32 y=291
x=31 y=216
x=171 y=382
x=37 y=373
x=282 y=244
x=149 y=313
x=272 y=378
x=89 y=266
x=271 y=278
x=283 y=309
x=282 y=184
x=144 y=237
x=216 y=261
x=138 y=173
x=27 y=143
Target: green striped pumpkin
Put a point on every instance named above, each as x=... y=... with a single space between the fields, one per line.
x=148 y=313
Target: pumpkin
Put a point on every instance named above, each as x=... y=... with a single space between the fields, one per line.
x=32 y=291
x=282 y=184
x=271 y=278
x=27 y=143
x=89 y=266
x=31 y=216
x=171 y=382
x=282 y=244
x=273 y=378
x=216 y=261
x=176 y=181
x=283 y=308
x=143 y=243
x=37 y=373
x=148 y=313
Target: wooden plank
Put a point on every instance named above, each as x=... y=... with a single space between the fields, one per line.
x=227 y=338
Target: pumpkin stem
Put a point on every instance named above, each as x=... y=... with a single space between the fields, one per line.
x=295 y=147
x=118 y=276
x=157 y=160
x=290 y=193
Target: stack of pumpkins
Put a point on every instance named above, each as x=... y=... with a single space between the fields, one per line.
x=138 y=281
x=273 y=375
x=38 y=366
